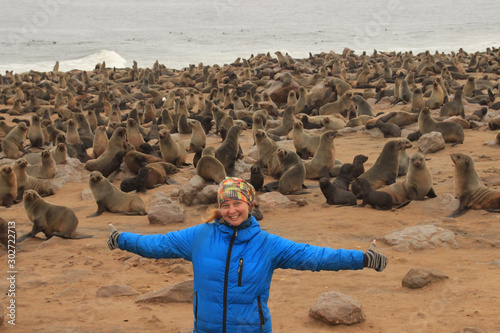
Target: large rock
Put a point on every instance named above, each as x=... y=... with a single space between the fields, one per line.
x=116 y=290
x=418 y=278
x=188 y=192
x=160 y=198
x=320 y=95
x=166 y=214
x=279 y=92
x=443 y=205
x=178 y=293
x=431 y=142
x=72 y=171
x=272 y=200
x=336 y=308
x=207 y=196
x=420 y=238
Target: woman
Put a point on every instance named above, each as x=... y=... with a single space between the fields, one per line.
x=234 y=260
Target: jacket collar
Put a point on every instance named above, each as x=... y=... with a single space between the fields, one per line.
x=243 y=234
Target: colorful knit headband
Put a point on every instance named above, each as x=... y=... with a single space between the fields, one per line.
x=235 y=189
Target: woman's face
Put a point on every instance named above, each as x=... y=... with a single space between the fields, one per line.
x=235 y=212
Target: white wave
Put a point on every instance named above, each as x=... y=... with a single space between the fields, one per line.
x=88 y=62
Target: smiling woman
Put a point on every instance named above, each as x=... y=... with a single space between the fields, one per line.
x=234 y=260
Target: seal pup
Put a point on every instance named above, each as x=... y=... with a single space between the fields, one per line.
x=26 y=182
x=256 y=177
x=363 y=107
x=110 y=199
x=469 y=189
x=52 y=220
x=136 y=160
x=417 y=184
x=293 y=172
x=359 y=167
x=209 y=167
x=12 y=144
x=452 y=132
x=389 y=130
x=324 y=158
x=8 y=186
x=137 y=183
x=376 y=199
x=345 y=176
x=158 y=173
x=335 y=195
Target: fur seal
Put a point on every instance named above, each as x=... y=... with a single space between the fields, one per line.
x=114 y=164
x=267 y=149
x=209 y=167
x=35 y=133
x=45 y=170
x=376 y=199
x=341 y=106
x=26 y=182
x=437 y=97
x=293 y=172
x=110 y=199
x=364 y=109
x=389 y=130
x=116 y=144
x=385 y=169
x=286 y=123
x=100 y=142
x=12 y=144
x=8 y=186
x=134 y=136
x=256 y=177
x=335 y=195
x=198 y=136
x=137 y=183
x=229 y=151
x=417 y=100
x=455 y=107
x=305 y=145
x=52 y=220
x=452 y=132
x=469 y=189
x=416 y=186
x=158 y=173
x=171 y=151
x=324 y=158
x=359 y=167
x=344 y=178
x=136 y=160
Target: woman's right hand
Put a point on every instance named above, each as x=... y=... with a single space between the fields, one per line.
x=113 y=237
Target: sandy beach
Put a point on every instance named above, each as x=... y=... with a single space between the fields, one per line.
x=57 y=280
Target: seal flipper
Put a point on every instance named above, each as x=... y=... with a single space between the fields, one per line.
x=431 y=193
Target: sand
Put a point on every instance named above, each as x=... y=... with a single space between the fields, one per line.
x=57 y=281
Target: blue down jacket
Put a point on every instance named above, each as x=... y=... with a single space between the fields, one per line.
x=233 y=269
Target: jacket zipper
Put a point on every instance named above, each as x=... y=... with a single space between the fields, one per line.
x=240 y=272
x=226 y=274
x=261 y=314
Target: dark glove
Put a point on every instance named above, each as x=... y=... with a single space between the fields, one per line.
x=373 y=259
x=113 y=237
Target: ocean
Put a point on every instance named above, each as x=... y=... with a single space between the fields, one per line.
x=79 y=34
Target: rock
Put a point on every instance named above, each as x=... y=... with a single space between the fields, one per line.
x=160 y=198
x=418 y=278
x=336 y=308
x=375 y=132
x=250 y=160
x=459 y=120
x=320 y=95
x=177 y=293
x=87 y=194
x=420 y=238
x=73 y=171
x=442 y=205
x=241 y=167
x=431 y=142
x=116 y=290
x=188 y=192
x=207 y=196
x=496 y=263
x=471 y=330
x=252 y=152
x=279 y=92
x=166 y=214
x=271 y=200
x=476 y=124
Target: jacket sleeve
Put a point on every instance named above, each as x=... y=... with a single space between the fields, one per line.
x=175 y=244
x=300 y=256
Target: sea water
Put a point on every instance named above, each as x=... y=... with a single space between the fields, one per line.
x=80 y=34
